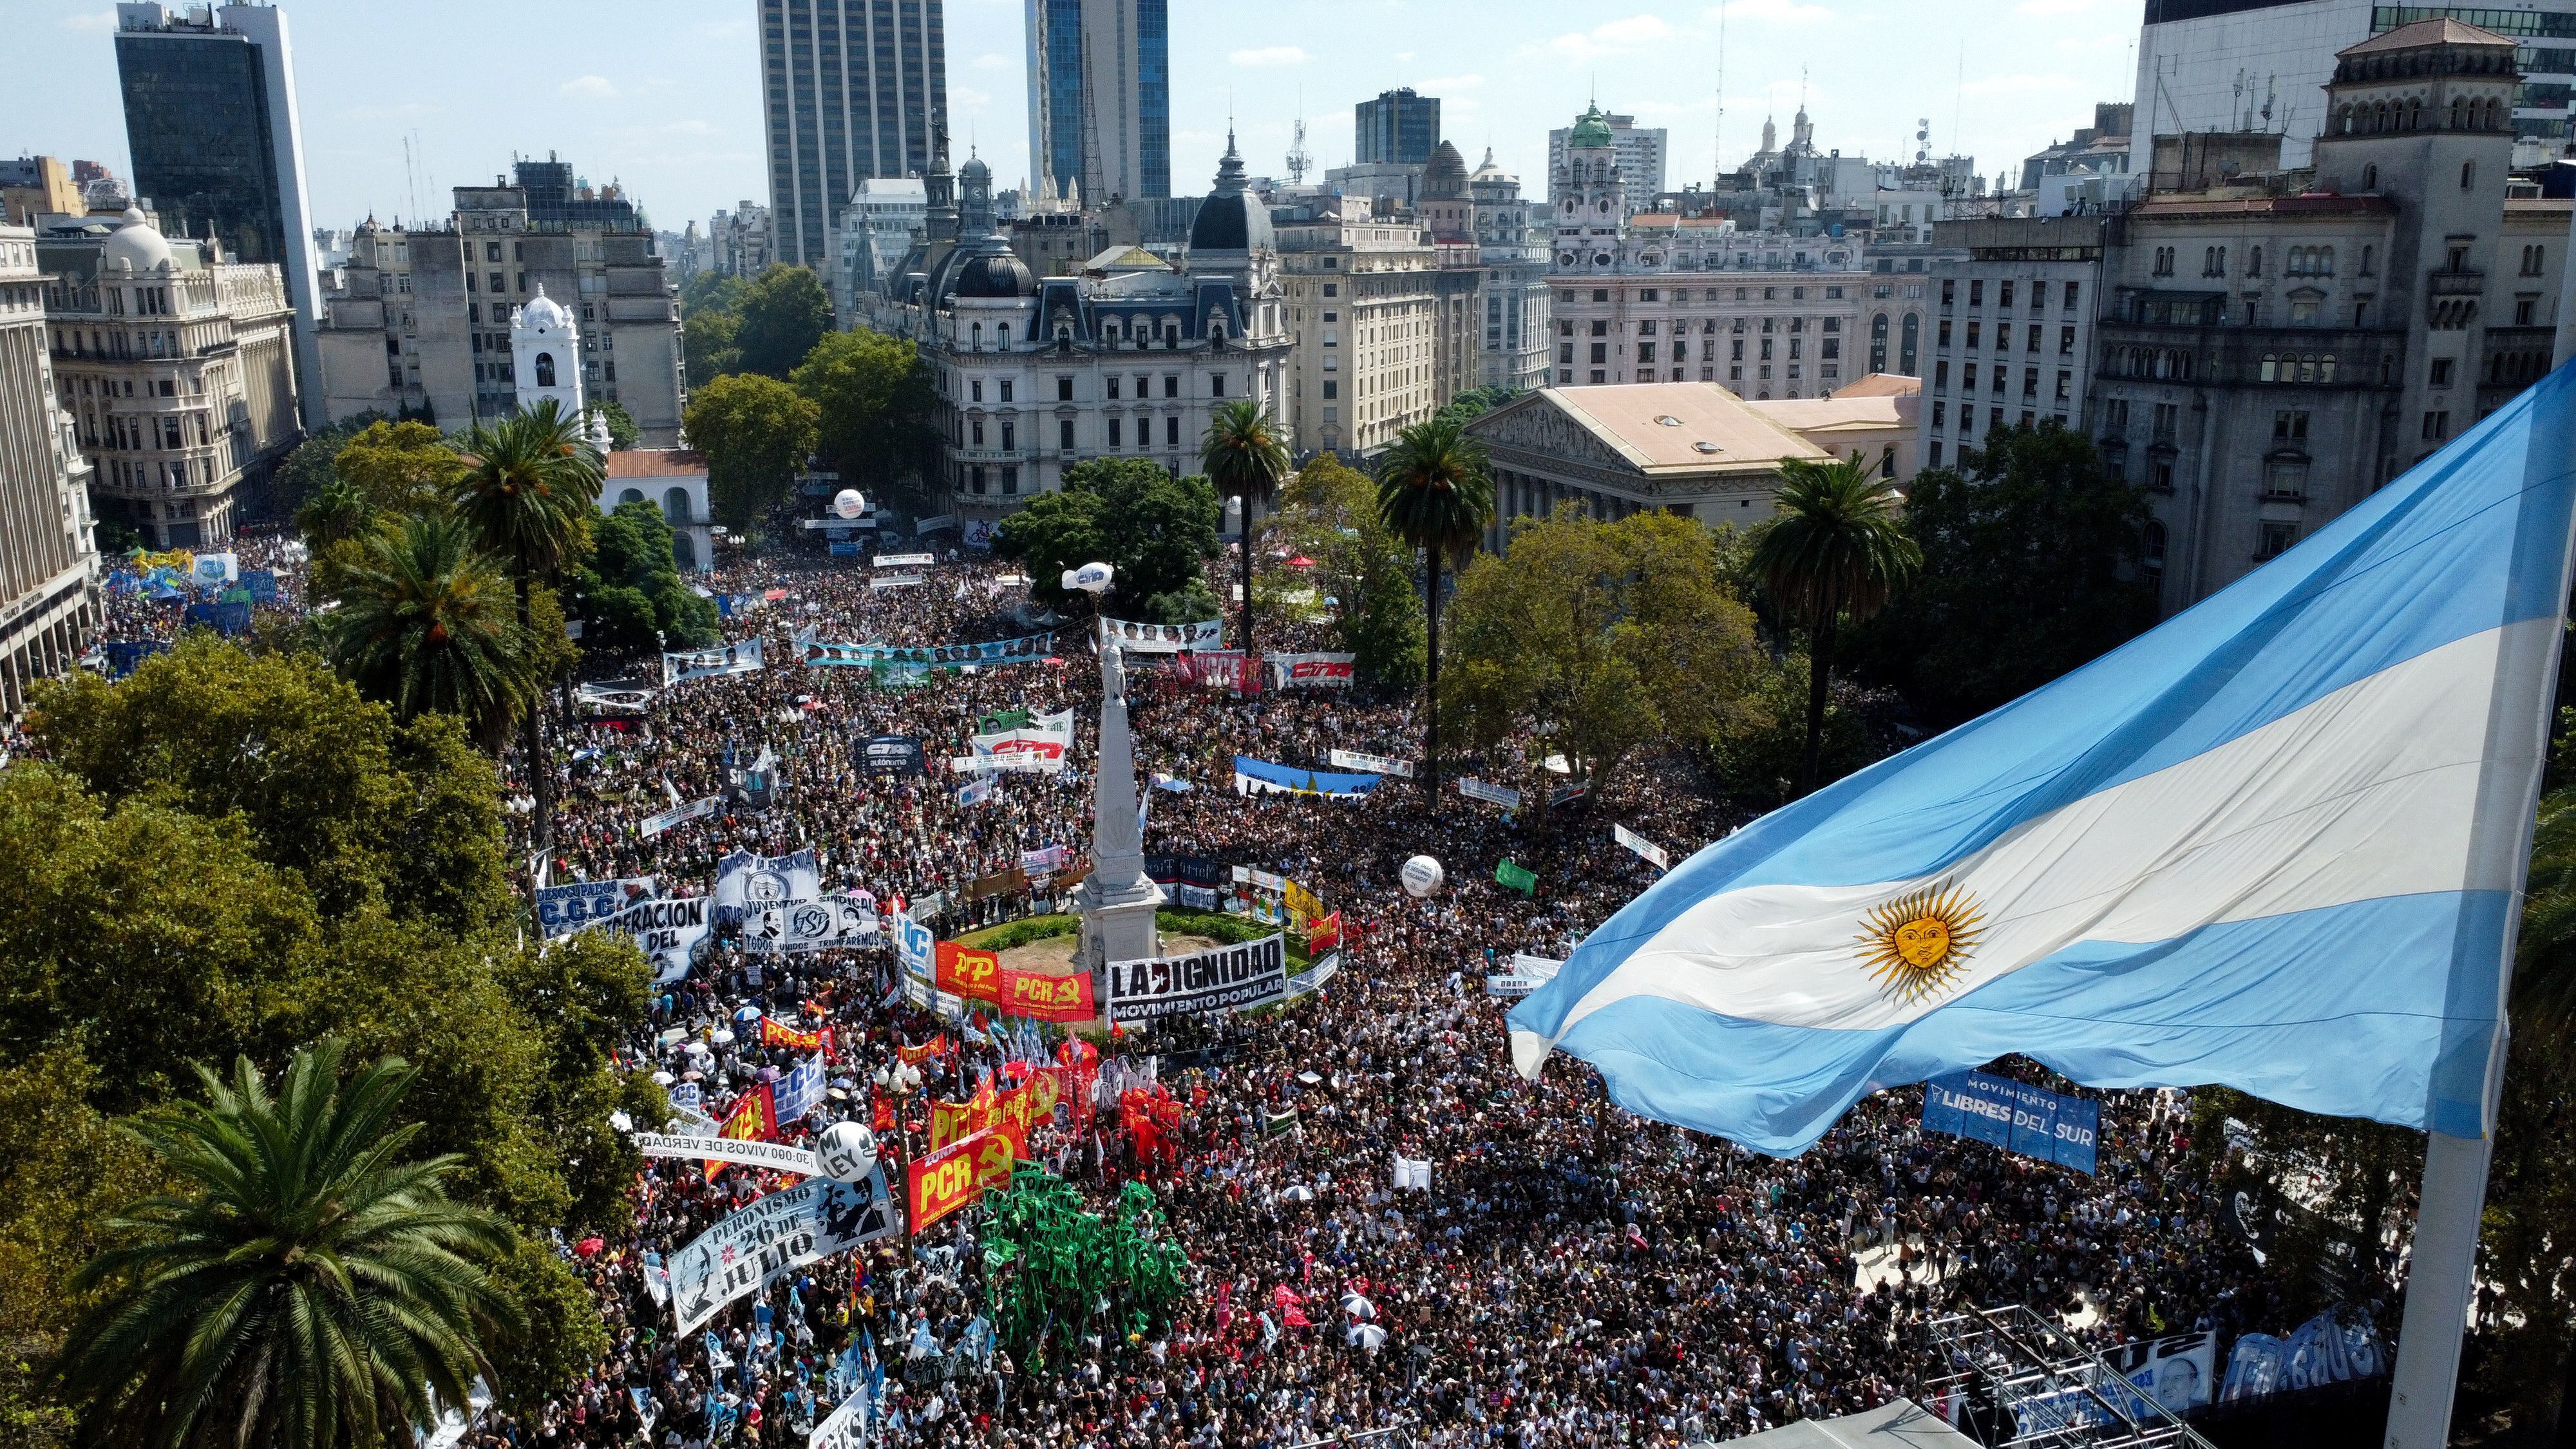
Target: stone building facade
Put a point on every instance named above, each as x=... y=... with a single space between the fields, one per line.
x=49 y=590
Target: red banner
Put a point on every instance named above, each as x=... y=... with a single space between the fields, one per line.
x=966 y=972
x=774 y=1033
x=955 y=1176
x=1047 y=998
x=1324 y=934
x=753 y=1119
x=913 y=1056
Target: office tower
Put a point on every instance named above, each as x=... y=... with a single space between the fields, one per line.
x=1398 y=127
x=49 y=603
x=855 y=89
x=1100 y=98
x=210 y=117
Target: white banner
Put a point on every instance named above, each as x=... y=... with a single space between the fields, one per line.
x=1315 y=975
x=904 y=560
x=1227 y=978
x=742 y=658
x=669 y=932
x=1412 y=1173
x=851 y=1426
x=1373 y=764
x=776 y=1156
x=1642 y=846
x=773 y=1237
x=1528 y=974
x=1165 y=638
x=579 y=905
x=661 y=820
x=614 y=698
x=1047 y=741
x=1310 y=671
x=934 y=523
x=1503 y=795
x=817 y=925
x=896 y=581
x=746 y=882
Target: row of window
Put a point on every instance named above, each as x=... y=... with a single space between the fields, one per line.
x=1682 y=295
x=1005 y=389
x=2063 y=397
x=2005 y=290
x=2316 y=261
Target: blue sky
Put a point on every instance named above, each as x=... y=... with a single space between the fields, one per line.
x=662 y=95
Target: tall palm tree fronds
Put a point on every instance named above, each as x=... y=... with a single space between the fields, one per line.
x=1435 y=492
x=529 y=495
x=425 y=623
x=307 y=1289
x=1244 y=456
x=1837 y=549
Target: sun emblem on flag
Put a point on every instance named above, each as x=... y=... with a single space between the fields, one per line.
x=1918 y=943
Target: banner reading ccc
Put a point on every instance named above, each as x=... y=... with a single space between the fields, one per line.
x=1229 y=978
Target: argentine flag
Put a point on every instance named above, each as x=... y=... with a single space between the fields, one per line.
x=2276 y=843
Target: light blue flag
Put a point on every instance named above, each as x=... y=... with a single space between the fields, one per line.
x=2276 y=843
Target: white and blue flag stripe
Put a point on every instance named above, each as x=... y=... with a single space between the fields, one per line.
x=2276 y=843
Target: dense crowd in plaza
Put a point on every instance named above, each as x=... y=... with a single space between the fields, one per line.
x=1574 y=1274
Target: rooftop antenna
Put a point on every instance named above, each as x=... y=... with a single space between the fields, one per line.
x=1717 y=133
x=1959 y=93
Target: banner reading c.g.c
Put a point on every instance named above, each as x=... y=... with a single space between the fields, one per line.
x=955 y=1176
x=969 y=973
x=1047 y=998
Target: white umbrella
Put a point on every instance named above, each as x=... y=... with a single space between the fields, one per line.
x=663 y=1079
x=1299 y=1193
x=1358 y=1307
x=1364 y=1335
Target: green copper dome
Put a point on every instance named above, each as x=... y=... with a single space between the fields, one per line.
x=1592 y=130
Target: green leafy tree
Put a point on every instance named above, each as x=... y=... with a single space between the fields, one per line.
x=1245 y=456
x=366 y=810
x=425 y=623
x=314 y=461
x=116 y=538
x=1758 y=749
x=873 y=404
x=1328 y=513
x=784 y=313
x=712 y=292
x=400 y=468
x=308 y=1287
x=1475 y=402
x=1836 y=551
x=529 y=496
x=622 y=431
x=338 y=512
x=1597 y=640
x=757 y=433
x=1435 y=493
x=707 y=347
x=629 y=591
x=2031 y=555
x=1157 y=531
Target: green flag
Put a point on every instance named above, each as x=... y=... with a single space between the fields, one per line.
x=1004 y=719
x=1516 y=877
x=1276 y=1123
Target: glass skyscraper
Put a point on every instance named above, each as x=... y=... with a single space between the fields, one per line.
x=1398 y=127
x=1100 y=96
x=854 y=89
x=210 y=119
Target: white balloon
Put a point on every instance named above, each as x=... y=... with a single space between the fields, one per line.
x=1423 y=877
x=849 y=503
x=1091 y=577
x=847 y=1151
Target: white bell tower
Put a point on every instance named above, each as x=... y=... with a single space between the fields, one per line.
x=545 y=355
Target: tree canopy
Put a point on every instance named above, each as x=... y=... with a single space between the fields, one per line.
x=2031 y=555
x=872 y=403
x=1596 y=640
x=784 y=313
x=1363 y=572
x=1156 y=530
x=757 y=433
x=628 y=587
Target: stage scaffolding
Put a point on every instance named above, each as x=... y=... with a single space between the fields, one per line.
x=2058 y=1393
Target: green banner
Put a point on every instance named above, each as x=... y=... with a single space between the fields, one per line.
x=1516 y=877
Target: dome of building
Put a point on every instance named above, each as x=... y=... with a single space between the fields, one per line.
x=1491 y=172
x=1445 y=177
x=974 y=171
x=1593 y=129
x=135 y=246
x=543 y=314
x=1232 y=219
x=991 y=273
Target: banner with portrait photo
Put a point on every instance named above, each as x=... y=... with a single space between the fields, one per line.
x=1225 y=978
x=746 y=882
x=772 y=1237
x=1136 y=638
x=740 y=658
x=825 y=924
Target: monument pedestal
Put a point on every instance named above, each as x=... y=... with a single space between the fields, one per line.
x=1117 y=899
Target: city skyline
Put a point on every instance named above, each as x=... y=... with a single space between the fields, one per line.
x=668 y=103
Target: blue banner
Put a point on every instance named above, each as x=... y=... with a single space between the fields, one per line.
x=1253 y=776
x=262 y=584
x=2014 y=1115
x=123 y=655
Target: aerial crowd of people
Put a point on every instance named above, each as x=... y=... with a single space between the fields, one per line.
x=1572 y=1275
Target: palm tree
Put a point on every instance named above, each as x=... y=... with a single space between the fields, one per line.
x=305 y=1289
x=1434 y=493
x=424 y=623
x=1836 y=550
x=1245 y=458
x=530 y=493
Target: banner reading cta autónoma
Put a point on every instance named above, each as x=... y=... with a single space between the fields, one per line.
x=773 y=1237
x=1228 y=978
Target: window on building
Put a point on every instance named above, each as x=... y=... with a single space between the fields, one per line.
x=2276 y=539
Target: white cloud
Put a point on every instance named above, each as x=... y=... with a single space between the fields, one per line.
x=1439 y=84
x=1784 y=12
x=1404 y=57
x=969 y=96
x=2016 y=84
x=1270 y=55
x=2051 y=9
x=95 y=23
x=588 y=88
x=1616 y=37
x=993 y=62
